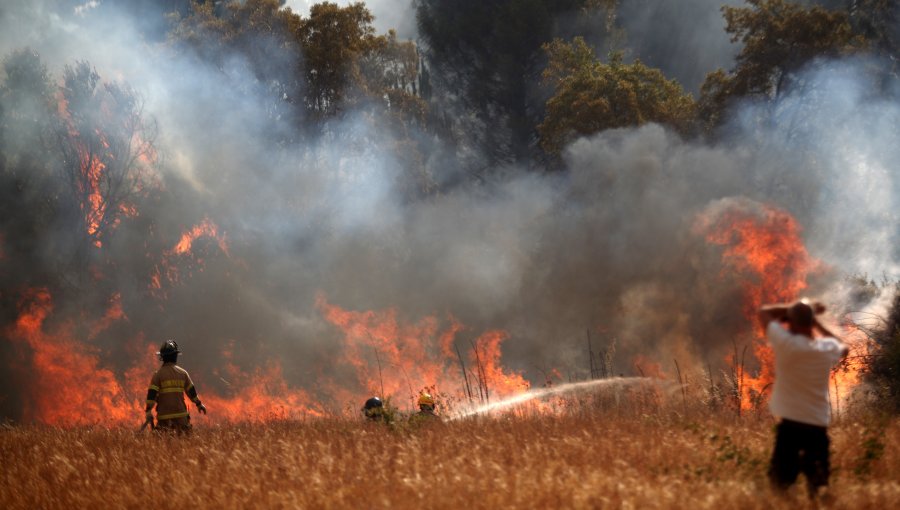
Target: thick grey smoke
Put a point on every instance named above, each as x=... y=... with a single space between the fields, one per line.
x=609 y=245
x=685 y=39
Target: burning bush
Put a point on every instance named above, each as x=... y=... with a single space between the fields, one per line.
x=883 y=369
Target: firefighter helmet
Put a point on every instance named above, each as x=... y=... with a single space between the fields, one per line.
x=372 y=403
x=168 y=348
x=373 y=408
x=426 y=400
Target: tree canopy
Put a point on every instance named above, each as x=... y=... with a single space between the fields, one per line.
x=591 y=96
x=314 y=67
x=488 y=55
x=779 y=38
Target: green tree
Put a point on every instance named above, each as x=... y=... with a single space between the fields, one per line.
x=591 y=96
x=334 y=40
x=320 y=66
x=349 y=66
x=779 y=38
x=266 y=35
x=487 y=57
x=390 y=73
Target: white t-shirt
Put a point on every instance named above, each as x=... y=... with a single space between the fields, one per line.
x=802 y=369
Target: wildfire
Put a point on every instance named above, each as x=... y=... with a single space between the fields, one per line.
x=67 y=385
x=94 y=208
x=395 y=359
x=764 y=248
x=183 y=248
x=105 y=175
x=205 y=228
x=113 y=314
x=260 y=395
x=647 y=367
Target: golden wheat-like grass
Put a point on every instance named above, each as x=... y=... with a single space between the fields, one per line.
x=582 y=460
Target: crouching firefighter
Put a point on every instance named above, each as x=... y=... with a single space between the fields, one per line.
x=166 y=392
x=426 y=412
x=373 y=409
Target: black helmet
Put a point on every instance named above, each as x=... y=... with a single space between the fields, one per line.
x=168 y=349
x=373 y=407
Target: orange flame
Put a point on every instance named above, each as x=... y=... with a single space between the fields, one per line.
x=114 y=313
x=260 y=396
x=182 y=248
x=67 y=386
x=396 y=359
x=92 y=162
x=648 y=368
x=91 y=169
x=205 y=228
x=94 y=208
x=764 y=247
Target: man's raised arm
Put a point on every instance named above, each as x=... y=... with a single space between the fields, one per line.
x=827 y=332
x=772 y=312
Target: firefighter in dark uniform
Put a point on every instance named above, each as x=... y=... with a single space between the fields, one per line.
x=373 y=409
x=166 y=392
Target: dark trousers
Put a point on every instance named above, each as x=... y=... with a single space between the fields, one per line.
x=174 y=425
x=800 y=448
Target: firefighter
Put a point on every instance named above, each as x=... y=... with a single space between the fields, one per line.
x=426 y=412
x=374 y=409
x=166 y=392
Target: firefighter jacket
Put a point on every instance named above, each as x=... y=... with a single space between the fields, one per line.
x=167 y=389
x=423 y=416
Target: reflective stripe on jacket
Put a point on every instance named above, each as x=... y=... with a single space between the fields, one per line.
x=170 y=383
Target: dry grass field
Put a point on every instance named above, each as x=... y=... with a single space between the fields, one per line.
x=582 y=460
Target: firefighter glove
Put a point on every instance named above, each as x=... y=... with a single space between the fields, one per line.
x=149 y=415
x=201 y=407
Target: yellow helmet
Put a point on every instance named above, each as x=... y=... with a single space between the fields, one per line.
x=426 y=400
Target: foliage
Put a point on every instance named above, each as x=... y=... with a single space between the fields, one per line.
x=76 y=157
x=779 y=38
x=487 y=56
x=260 y=31
x=591 y=96
x=334 y=39
x=313 y=70
x=106 y=147
x=883 y=370
x=320 y=66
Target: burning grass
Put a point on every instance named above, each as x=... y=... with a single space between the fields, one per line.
x=586 y=459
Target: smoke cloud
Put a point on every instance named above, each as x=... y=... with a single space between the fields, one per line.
x=685 y=39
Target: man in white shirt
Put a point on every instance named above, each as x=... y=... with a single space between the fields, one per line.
x=800 y=399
